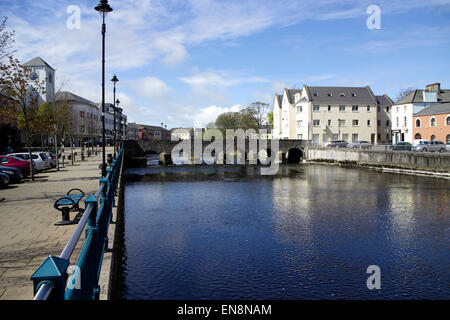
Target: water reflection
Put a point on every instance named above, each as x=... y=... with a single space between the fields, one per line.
x=308 y=233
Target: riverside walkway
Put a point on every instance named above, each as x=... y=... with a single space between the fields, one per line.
x=27 y=232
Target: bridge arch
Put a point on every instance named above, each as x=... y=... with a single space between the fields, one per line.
x=294 y=155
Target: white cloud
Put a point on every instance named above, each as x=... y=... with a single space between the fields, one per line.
x=219 y=78
x=152 y=89
x=209 y=114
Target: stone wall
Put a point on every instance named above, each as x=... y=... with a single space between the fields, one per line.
x=392 y=159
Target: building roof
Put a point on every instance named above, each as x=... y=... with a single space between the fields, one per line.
x=362 y=95
x=441 y=108
x=384 y=101
x=279 y=99
x=417 y=97
x=154 y=128
x=37 y=62
x=291 y=94
x=69 y=96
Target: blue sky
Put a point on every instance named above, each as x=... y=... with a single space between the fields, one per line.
x=183 y=62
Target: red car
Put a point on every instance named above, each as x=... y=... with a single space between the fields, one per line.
x=22 y=165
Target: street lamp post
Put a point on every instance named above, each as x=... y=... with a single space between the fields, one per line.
x=103 y=8
x=120 y=123
x=115 y=110
x=115 y=80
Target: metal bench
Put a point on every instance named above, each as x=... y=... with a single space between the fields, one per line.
x=67 y=204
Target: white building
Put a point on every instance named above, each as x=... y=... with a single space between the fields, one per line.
x=404 y=110
x=44 y=74
x=323 y=114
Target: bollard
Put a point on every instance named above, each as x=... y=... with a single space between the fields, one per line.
x=65 y=218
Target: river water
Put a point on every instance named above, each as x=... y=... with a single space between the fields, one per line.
x=310 y=232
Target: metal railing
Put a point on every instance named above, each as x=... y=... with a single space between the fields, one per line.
x=51 y=281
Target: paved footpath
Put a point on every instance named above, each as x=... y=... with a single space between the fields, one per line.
x=27 y=232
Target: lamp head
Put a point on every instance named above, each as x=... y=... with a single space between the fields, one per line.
x=115 y=79
x=103 y=8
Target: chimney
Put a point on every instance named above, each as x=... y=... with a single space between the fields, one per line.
x=436 y=87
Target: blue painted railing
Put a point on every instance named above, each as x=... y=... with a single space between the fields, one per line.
x=51 y=281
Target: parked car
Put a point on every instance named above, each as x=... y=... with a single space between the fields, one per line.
x=14 y=174
x=421 y=145
x=51 y=158
x=448 y=146
x=339 y=144
x=18 y=163
x=39 y=158
x=361 y=145
x=405 y=146
x=429 y=146
x=437 y=146
x=4 y=180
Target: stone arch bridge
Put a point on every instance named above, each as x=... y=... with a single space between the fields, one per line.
x=288 y=151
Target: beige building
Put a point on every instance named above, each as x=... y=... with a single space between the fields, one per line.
x=323 y=114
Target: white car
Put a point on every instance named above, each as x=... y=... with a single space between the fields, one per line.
x=447 y=146
x=51 y=158
x=41 y=161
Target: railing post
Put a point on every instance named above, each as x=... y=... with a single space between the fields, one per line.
x=53 y=272
x=97 y=250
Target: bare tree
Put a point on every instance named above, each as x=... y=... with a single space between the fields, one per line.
x=403 y=93
x=6 y=40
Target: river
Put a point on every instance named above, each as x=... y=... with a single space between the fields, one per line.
x=309 y=232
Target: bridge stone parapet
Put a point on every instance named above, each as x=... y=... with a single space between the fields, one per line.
x=287 y=149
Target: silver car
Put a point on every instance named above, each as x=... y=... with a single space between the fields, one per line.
x=448 y=146
x=362 y=145
x=429 y=146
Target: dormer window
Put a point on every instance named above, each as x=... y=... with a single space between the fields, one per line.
x=342 y=94
x=315 y=94
x=330 y=94
x=353 y=94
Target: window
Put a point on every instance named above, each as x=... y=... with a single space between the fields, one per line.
x=418 y=123
x=330 y=123
x=342 y=123
x=378 y=123
x=342 y=108
x=300 y=137
x=369 y=123
x=355 y=108
x=354 y=137
x=82 y=114
x=353 y=94
x=418 y=136
x=398 y=122
x=433 y=138
x=316 y=138
x=368 y=109
x=387 y=109
x=345 y=137
x=299 y=109
x=433 y=122
x=342 y=94
x=388 y=136
x=355 y=123
x=316 y=94
x=405 y=121
x=330 y=94
x=388 y=123
x=379 y=109
x=447 y=121
x=404 y=108
x=448 y=138
x=316 y=123
x=378 y=137
x=299 y=123
x=316 y=108
x=329 y=108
